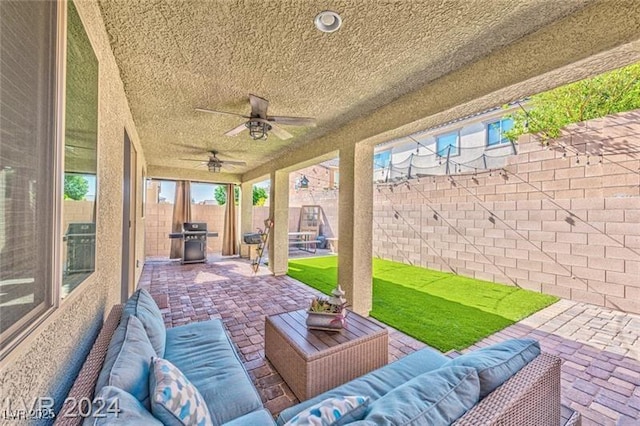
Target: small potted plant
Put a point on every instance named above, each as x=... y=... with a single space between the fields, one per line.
x=328 y=313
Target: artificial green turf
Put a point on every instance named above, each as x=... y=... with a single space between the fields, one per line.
x=444 y=310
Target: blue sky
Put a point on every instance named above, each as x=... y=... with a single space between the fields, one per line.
x=199 y=191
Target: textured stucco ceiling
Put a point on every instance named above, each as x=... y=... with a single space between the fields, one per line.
x=177 y=55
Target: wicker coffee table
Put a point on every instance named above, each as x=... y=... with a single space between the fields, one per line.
x=313 y=361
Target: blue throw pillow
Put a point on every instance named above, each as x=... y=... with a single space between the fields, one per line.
x=436 y=398
x=497 y=363
x=332 y=412
x=142 y=305
x=129 y=355
x=113 y=406
x=174 y=399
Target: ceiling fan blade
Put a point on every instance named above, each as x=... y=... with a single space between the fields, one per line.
x=190 y=159
x=294 y=121
x=191 y=148
x=234 y=163
x=280 y=132
x=211 y=111
x=258 y=106
x=235 y=131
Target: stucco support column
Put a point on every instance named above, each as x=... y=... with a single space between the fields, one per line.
x=246 y=208
x=279 y=212
x=355 y=214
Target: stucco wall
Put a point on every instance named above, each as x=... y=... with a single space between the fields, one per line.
x=551 y=223
x=46 y=362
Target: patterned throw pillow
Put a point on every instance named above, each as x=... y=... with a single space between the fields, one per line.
x=332 y=412
x=174 y=399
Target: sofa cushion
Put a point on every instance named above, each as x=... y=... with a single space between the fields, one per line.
x=113 y=406
x=378 y=382
x=127 y=361
x=174 y=399
x=142 y=305
x=255 y=418
x=204 y=354
x=332 y=412
x=497 y=363
x=435 y=398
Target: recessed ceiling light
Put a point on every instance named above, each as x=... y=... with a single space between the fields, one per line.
x=328 y=21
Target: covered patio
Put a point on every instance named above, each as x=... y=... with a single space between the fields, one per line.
x=600 y=348
x=238 y=92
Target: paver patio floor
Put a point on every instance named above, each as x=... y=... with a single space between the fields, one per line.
x=600 y=347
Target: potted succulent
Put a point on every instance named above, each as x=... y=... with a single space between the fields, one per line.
x=328 y=313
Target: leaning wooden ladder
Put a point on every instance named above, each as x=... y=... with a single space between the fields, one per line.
x=264 y=243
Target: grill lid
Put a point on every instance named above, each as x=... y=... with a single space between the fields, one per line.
x=194 y=227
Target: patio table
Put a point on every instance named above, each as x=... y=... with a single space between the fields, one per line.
x=313 y=361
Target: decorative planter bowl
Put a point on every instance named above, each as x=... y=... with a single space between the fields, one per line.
x=326 y=320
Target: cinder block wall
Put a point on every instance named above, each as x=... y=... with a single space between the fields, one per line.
x=261 y=213
x=550 y=223
x=158 y=227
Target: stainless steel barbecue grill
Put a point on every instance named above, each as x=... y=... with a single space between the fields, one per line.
x=194 y=241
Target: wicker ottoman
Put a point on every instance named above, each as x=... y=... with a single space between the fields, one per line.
x=313 y=361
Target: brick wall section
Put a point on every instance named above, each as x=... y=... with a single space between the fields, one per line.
x=260 y=213
x=318 y=193
x=158 y=226
x=550 y=223
x=322 y=191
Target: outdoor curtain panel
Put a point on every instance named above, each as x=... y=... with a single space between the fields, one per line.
x=181 y=214
x=229 y=245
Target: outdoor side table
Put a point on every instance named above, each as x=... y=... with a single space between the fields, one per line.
x=314 y=361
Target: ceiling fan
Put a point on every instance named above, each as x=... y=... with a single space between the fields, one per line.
x=259 y=123
x=214 y=164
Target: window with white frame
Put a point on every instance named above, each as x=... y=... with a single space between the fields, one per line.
x=448 y=144
x=496 y=131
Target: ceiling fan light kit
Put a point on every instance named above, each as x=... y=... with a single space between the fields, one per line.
x=258 y=129
x=214 y=167
x=259 y=123
x=328 y=21
x=214 y=164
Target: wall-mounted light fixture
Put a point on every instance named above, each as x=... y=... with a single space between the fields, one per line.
x=304 y=183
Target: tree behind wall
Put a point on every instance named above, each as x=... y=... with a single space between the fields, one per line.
x=259 y=195
x=609 y=93
x=75 y=187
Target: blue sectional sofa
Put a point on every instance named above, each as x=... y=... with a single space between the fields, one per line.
x=134 y=357
x=202 y=351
